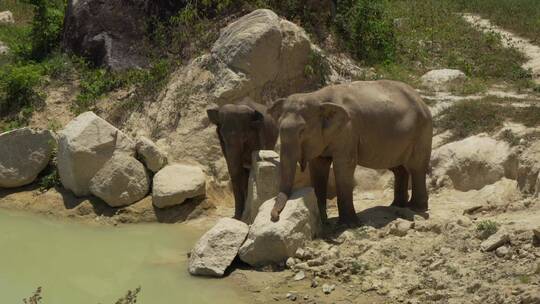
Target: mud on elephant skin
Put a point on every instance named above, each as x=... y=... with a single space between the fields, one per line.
x=375 y=124
x=242 y=128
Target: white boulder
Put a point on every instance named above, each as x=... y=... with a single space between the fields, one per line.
x=84 y=146
x=495 y=241
x=440 y=80
x=528 y=173
x=176 y=183
x=217 y=248
x=263 y=182
x=472 y=163
x=273 y=242
x=6 y=17
x=121 y=181
x=153 y=157
x=24 y=154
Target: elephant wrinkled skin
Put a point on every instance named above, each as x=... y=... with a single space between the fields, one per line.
x=242 y=128
x=376 y=124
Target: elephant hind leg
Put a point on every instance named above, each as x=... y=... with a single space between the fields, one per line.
x=401 y=184
x=419 y=199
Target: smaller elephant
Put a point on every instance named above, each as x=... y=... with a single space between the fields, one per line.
x=242 y=128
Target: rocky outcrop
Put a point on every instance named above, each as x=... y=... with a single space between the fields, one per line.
x=217 y=248
x=440 y=80
x=109 y=32
x=259 y=56
x=528 y=175
x=273 y=242
x=176 y=183
x=84 y=146
x=6 y=17
x=24 y=154
x=472 y=163
x=153 y=157
x=121 y=181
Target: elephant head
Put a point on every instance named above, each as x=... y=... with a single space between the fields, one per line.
x=240 y=131
x=306 y=127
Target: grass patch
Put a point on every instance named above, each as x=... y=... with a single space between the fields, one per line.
x=432 y=34
x=470 y=117
x=486 y=228
x=519 y=16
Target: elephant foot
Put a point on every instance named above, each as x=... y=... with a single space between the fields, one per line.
x=281 y=200
x=349 y=221
x=418 y=207
x=237 y=217
x=399 y=203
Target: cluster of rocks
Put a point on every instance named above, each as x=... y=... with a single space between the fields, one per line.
x=95 y=158
x=264 y=242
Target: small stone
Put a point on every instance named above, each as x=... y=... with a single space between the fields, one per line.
x=314 y=283
x=290 y=263
x=502 y=251
x=464 y=221
x=291 y=296
x=300 y=276
x=536 y=236
x=474 y=287
x=436 y=264
x=495 y=241
x=327 y=288
x=300 y=253
x=400 y=227
x=445 y=251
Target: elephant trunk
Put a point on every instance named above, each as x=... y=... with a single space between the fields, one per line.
x=289 y=157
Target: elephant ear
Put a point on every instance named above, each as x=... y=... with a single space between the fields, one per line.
x=335 y=117
x=213 y=115
x=276 y=109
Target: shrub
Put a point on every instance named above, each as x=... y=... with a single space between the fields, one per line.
x=18 y=87
x=46 y=26
x=487 y=228
x=366 y=29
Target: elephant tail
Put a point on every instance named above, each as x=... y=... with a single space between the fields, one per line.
x=281 y=201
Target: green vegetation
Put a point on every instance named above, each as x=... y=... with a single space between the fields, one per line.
x=519 y=16
x=432 y=34
x=469 y=117
x=129 y=298
x=486 y=228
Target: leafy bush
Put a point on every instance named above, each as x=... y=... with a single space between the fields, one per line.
x=18 y=87
x=487 y=228
x=366 y=29
x=46 y=26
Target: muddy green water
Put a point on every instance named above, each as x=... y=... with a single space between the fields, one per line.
x=77 y=263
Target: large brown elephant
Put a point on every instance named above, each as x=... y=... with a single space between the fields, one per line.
x=376 y=124
x=242 y=128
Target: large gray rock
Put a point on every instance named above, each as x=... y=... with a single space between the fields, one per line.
x=495 y=241
x=217 y=248
x=176 y=183
x=473 y=163
x=84 y=146
x=121 y=181
x=273 y=242
x=24 y=153
x=528 y=175
x=6 y=17
x=153 y=157
x=4 y=49
x=443 y=79
x=109 y=32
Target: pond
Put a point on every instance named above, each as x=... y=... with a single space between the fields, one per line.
x=80 y=263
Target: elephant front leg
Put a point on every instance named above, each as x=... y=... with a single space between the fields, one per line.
x=240 y=184
x=319 y=169
x=344 y=173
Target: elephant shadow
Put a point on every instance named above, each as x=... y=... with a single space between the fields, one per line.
x=377 y=217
